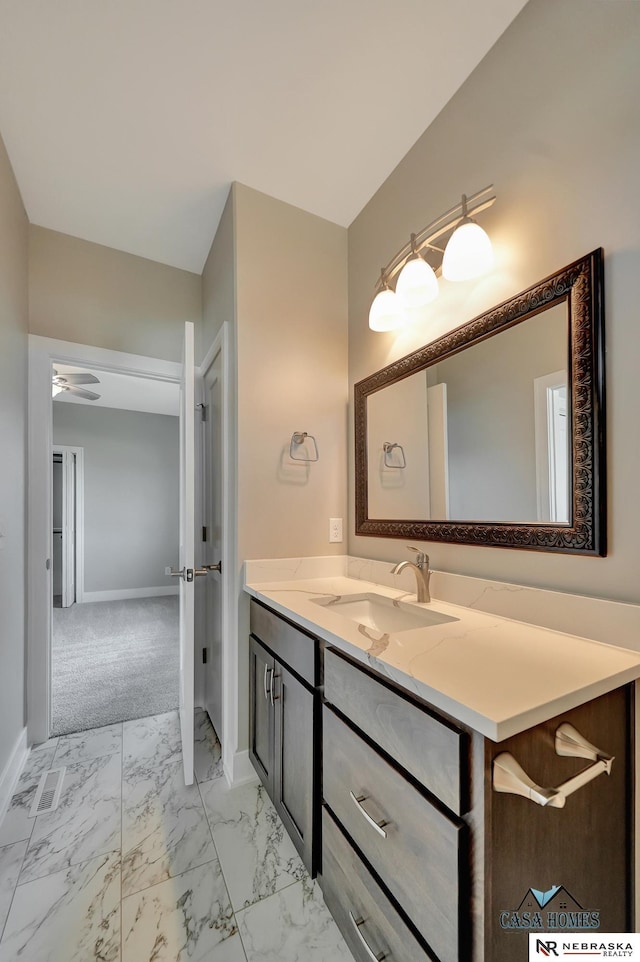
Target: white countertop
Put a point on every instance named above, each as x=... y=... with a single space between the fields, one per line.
x=493 y=674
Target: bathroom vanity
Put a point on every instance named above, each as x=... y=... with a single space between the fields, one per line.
x=397 y=780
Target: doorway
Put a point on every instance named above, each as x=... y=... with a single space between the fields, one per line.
x=114 y=643
x=45 y=355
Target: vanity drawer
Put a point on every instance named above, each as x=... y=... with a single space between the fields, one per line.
x=416 y=852
x=433 y=751
x=295 y=648
x=352 y=895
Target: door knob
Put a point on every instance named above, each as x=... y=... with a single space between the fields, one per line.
x=217 y=567
x=188 y=574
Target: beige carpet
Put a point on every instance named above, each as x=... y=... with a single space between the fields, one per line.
x=113 y=661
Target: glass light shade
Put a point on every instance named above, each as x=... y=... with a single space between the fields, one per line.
x=385 y=313
x=417 y=284
x=56 y=389
x=468 y=254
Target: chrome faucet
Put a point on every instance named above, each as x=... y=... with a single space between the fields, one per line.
x=421 y=570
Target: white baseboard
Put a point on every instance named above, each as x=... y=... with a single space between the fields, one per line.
x=240 y=771
x=12 y=770
x=124 y=594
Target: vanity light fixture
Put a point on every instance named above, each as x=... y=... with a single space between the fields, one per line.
x=467 y=254
x=385 y=313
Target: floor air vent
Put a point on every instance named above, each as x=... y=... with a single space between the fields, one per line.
x=48 y=793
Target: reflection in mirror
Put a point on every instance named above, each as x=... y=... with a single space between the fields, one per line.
x=484 y=432
x=494 y=433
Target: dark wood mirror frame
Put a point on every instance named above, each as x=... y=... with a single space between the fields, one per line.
x=581 y=284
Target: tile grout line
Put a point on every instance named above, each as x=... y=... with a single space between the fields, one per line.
x=219 y=860
x=222 y=872
x=258 y=901
x=15 y=887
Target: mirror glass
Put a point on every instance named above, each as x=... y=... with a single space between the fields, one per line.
x=494 y=434
x=479 y=436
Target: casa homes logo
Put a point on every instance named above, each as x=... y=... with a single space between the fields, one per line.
x=555 y=909
x=619 y=945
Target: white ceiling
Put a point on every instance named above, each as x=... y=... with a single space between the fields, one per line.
x=127 y=120
x=123 y=391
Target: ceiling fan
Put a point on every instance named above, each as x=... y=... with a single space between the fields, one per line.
x=70 y=382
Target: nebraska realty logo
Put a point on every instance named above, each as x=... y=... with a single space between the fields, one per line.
x=554 y=909
x=620 y=945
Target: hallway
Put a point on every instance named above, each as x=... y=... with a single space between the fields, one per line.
x=133 y=866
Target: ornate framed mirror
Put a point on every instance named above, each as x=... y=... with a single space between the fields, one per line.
x=494 y=434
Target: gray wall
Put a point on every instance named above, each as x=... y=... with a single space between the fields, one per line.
x=131 y=493
x=90 y=294
x=219 y=279
x=552 y=117
x=13 y=408
x=491 y=421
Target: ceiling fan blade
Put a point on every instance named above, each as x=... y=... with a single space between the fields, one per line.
x=80 y=379
x=79 y=392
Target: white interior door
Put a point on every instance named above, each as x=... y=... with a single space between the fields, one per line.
x=187 y=550
x=550 y=396
x=214 y=522
x=68 y=529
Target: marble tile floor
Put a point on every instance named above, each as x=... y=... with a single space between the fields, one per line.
x=135 y=867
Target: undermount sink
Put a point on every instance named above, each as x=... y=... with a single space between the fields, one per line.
x=383 y=614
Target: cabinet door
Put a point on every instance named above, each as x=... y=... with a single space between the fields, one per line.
x=294 y=760
x=261 y=713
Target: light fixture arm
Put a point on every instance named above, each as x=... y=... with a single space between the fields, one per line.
x=429 y=235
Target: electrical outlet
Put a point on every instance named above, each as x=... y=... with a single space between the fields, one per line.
x=335 y=529
x=167 y=570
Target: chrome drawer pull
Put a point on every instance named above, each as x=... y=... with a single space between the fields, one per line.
x=274 y=698
x=379 y=826
x=264 y=682
x=372 y=955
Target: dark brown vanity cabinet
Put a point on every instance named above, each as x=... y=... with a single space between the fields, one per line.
x=422 y=857
x=284 y=672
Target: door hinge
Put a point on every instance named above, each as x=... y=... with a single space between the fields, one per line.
x=204 y=656
x=204 y=532
x=203 y=411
